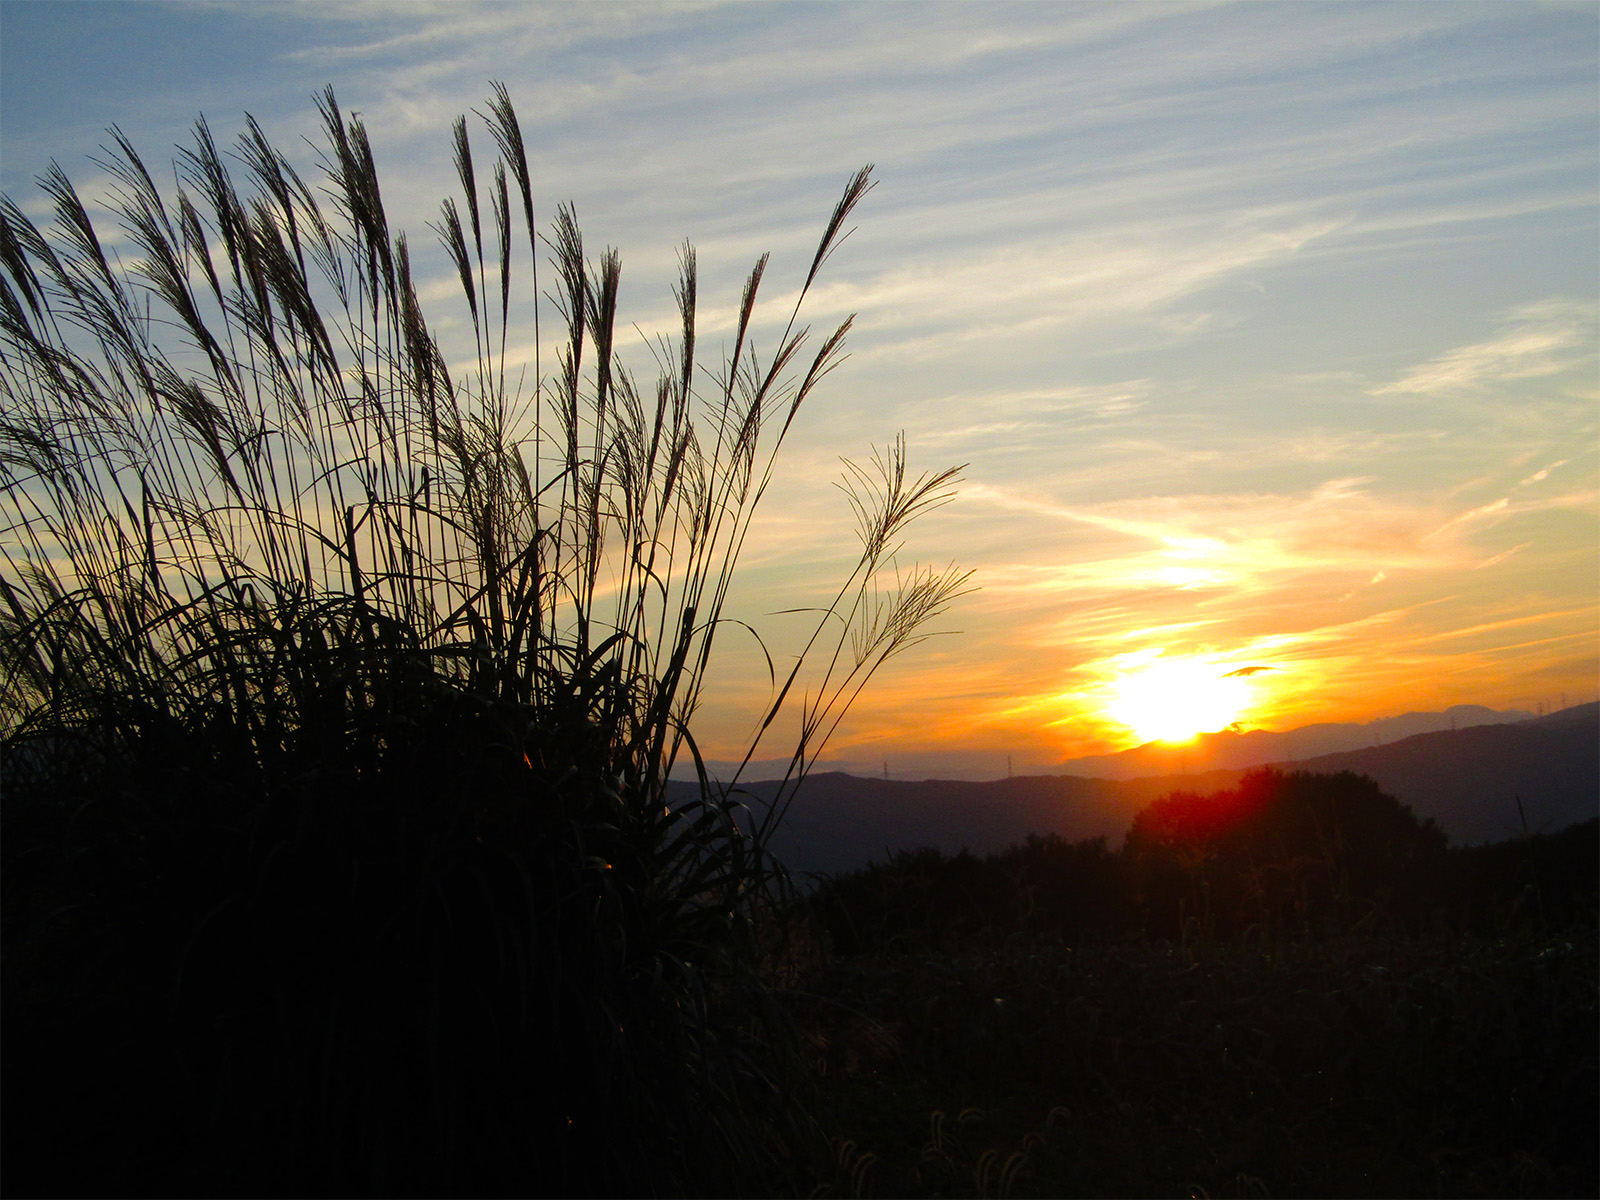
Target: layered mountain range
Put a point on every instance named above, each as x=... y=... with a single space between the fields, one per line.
x=1480 y=782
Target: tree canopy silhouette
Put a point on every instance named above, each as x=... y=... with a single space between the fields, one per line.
x=1281 y=850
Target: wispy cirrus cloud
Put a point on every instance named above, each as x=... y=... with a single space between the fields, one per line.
x=1537 y=340
x=1267 y=331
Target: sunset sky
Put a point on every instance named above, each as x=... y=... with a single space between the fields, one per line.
x=1270 y=334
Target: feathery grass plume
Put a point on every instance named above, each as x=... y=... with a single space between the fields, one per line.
x=340 y=694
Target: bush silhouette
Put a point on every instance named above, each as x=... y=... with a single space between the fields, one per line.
x=916 y=900
x=1281 y=853
x=1538 y=884
x=1045 y=888
x=341 y=684
x=1073 y=891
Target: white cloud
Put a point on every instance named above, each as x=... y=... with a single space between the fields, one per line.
x=1146 y=267
x=1537 y=340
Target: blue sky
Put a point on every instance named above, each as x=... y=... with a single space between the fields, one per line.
x=1269 y=332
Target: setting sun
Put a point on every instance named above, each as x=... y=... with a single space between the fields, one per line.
x=1172 y=701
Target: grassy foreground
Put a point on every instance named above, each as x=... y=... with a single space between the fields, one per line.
x=343 y=665
x=1451 y=1068
x=982 y=1053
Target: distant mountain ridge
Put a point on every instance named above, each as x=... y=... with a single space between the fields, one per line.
x=1481 y=783
x=1233 y=750
x=1490 y=782
x=1224 y=750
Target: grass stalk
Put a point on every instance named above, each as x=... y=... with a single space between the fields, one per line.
x=342 y=689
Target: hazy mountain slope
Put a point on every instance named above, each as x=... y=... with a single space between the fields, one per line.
x=841 y=822
x=1468 y=780
x=1228 y=750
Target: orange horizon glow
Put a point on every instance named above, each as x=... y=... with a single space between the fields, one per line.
x=1048 y=709
x=1210 y=411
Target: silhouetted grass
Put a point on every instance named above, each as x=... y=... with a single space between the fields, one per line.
x=342 y=676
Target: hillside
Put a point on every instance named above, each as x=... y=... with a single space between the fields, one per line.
x=841 y=822
x=1469 y=780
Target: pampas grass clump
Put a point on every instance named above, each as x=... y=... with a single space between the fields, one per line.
x=341 y=684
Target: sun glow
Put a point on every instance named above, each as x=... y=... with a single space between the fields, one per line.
x=1173 y=700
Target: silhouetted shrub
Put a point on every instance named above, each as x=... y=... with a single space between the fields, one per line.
x=1046 y=887
x=1070 y=891
x=1281 y=853
x=918 y=899
x=1541 y=884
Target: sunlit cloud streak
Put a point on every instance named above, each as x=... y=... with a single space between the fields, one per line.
x=1541 y=339
x=1268 y=333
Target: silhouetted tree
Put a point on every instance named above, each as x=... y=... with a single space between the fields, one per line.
x=1282 y=853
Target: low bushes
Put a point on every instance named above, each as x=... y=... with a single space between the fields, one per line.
x=1389 y=1016
x=1280 y=856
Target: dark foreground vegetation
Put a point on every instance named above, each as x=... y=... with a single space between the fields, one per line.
x=1292 y=988
x=342 y=669
x=339 y=688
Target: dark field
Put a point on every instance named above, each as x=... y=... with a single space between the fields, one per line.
x=1446 y=1065
x=1056 y=1020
